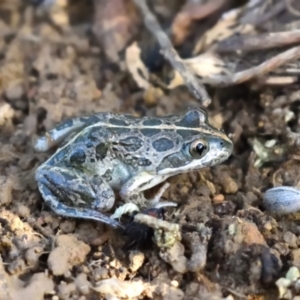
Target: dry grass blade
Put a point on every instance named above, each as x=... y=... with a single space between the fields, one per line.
x=257 y=42
x=258 y=71
x=171 y=55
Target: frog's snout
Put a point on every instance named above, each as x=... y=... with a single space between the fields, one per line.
x=226 y=145
x=220 y=145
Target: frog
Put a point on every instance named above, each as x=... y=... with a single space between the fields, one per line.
x=105 y=153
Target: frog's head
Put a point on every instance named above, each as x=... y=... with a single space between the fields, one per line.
x=201 y=145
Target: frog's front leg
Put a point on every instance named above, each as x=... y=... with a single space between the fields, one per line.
x=132 y=190
x=71 y=194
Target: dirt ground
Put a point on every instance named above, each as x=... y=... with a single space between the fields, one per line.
x=231 y=247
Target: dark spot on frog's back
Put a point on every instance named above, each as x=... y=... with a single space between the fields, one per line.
x=131 y=144
x=78 y=156
x=192 y=119
x=152 y=122
x=118 y=122
x=163 y=144
x=101 y=150
x=144 y=162
x=148 y=132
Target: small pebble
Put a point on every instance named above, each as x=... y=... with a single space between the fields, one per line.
x=67 y=226
x=268 y=226
x=175 y=283
x=32 y=255
x=229 y=185
x=113 y=264
x=100 y=273
x=282 y=285
x=67 y=274
x=65 y=290
x=292 y=274
x=184 y=190
x=22 y=211
x=136 y=260
x=282 y=200
x=14 y=91
x=82 y=284
x=218 y=199
x=290 y=238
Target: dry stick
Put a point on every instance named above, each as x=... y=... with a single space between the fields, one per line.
x=171 y=55
x=262 y=69
x=280 y=80
x=291 y=9
x=258 y=42
x=272 y=12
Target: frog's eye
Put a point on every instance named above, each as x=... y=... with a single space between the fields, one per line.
x=198 y=148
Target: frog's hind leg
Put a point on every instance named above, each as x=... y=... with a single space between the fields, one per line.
x=81 y=213
x=64 y=130
x=70 y=195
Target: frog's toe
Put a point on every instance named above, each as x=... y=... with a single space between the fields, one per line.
x=155 y=202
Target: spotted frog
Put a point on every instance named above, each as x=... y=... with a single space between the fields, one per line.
x=105 y=152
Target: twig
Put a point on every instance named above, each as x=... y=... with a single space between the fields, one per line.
x=291 y=9
x=258 y=71
x=279 y=80
x=272 y=11
x=171 y=55
x=258 y=42
x=156 y=223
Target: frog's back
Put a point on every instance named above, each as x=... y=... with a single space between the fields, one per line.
x=145 y=141
x=142 y=143
x=139 y=143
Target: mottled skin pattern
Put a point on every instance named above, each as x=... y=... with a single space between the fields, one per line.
x=107 y=152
